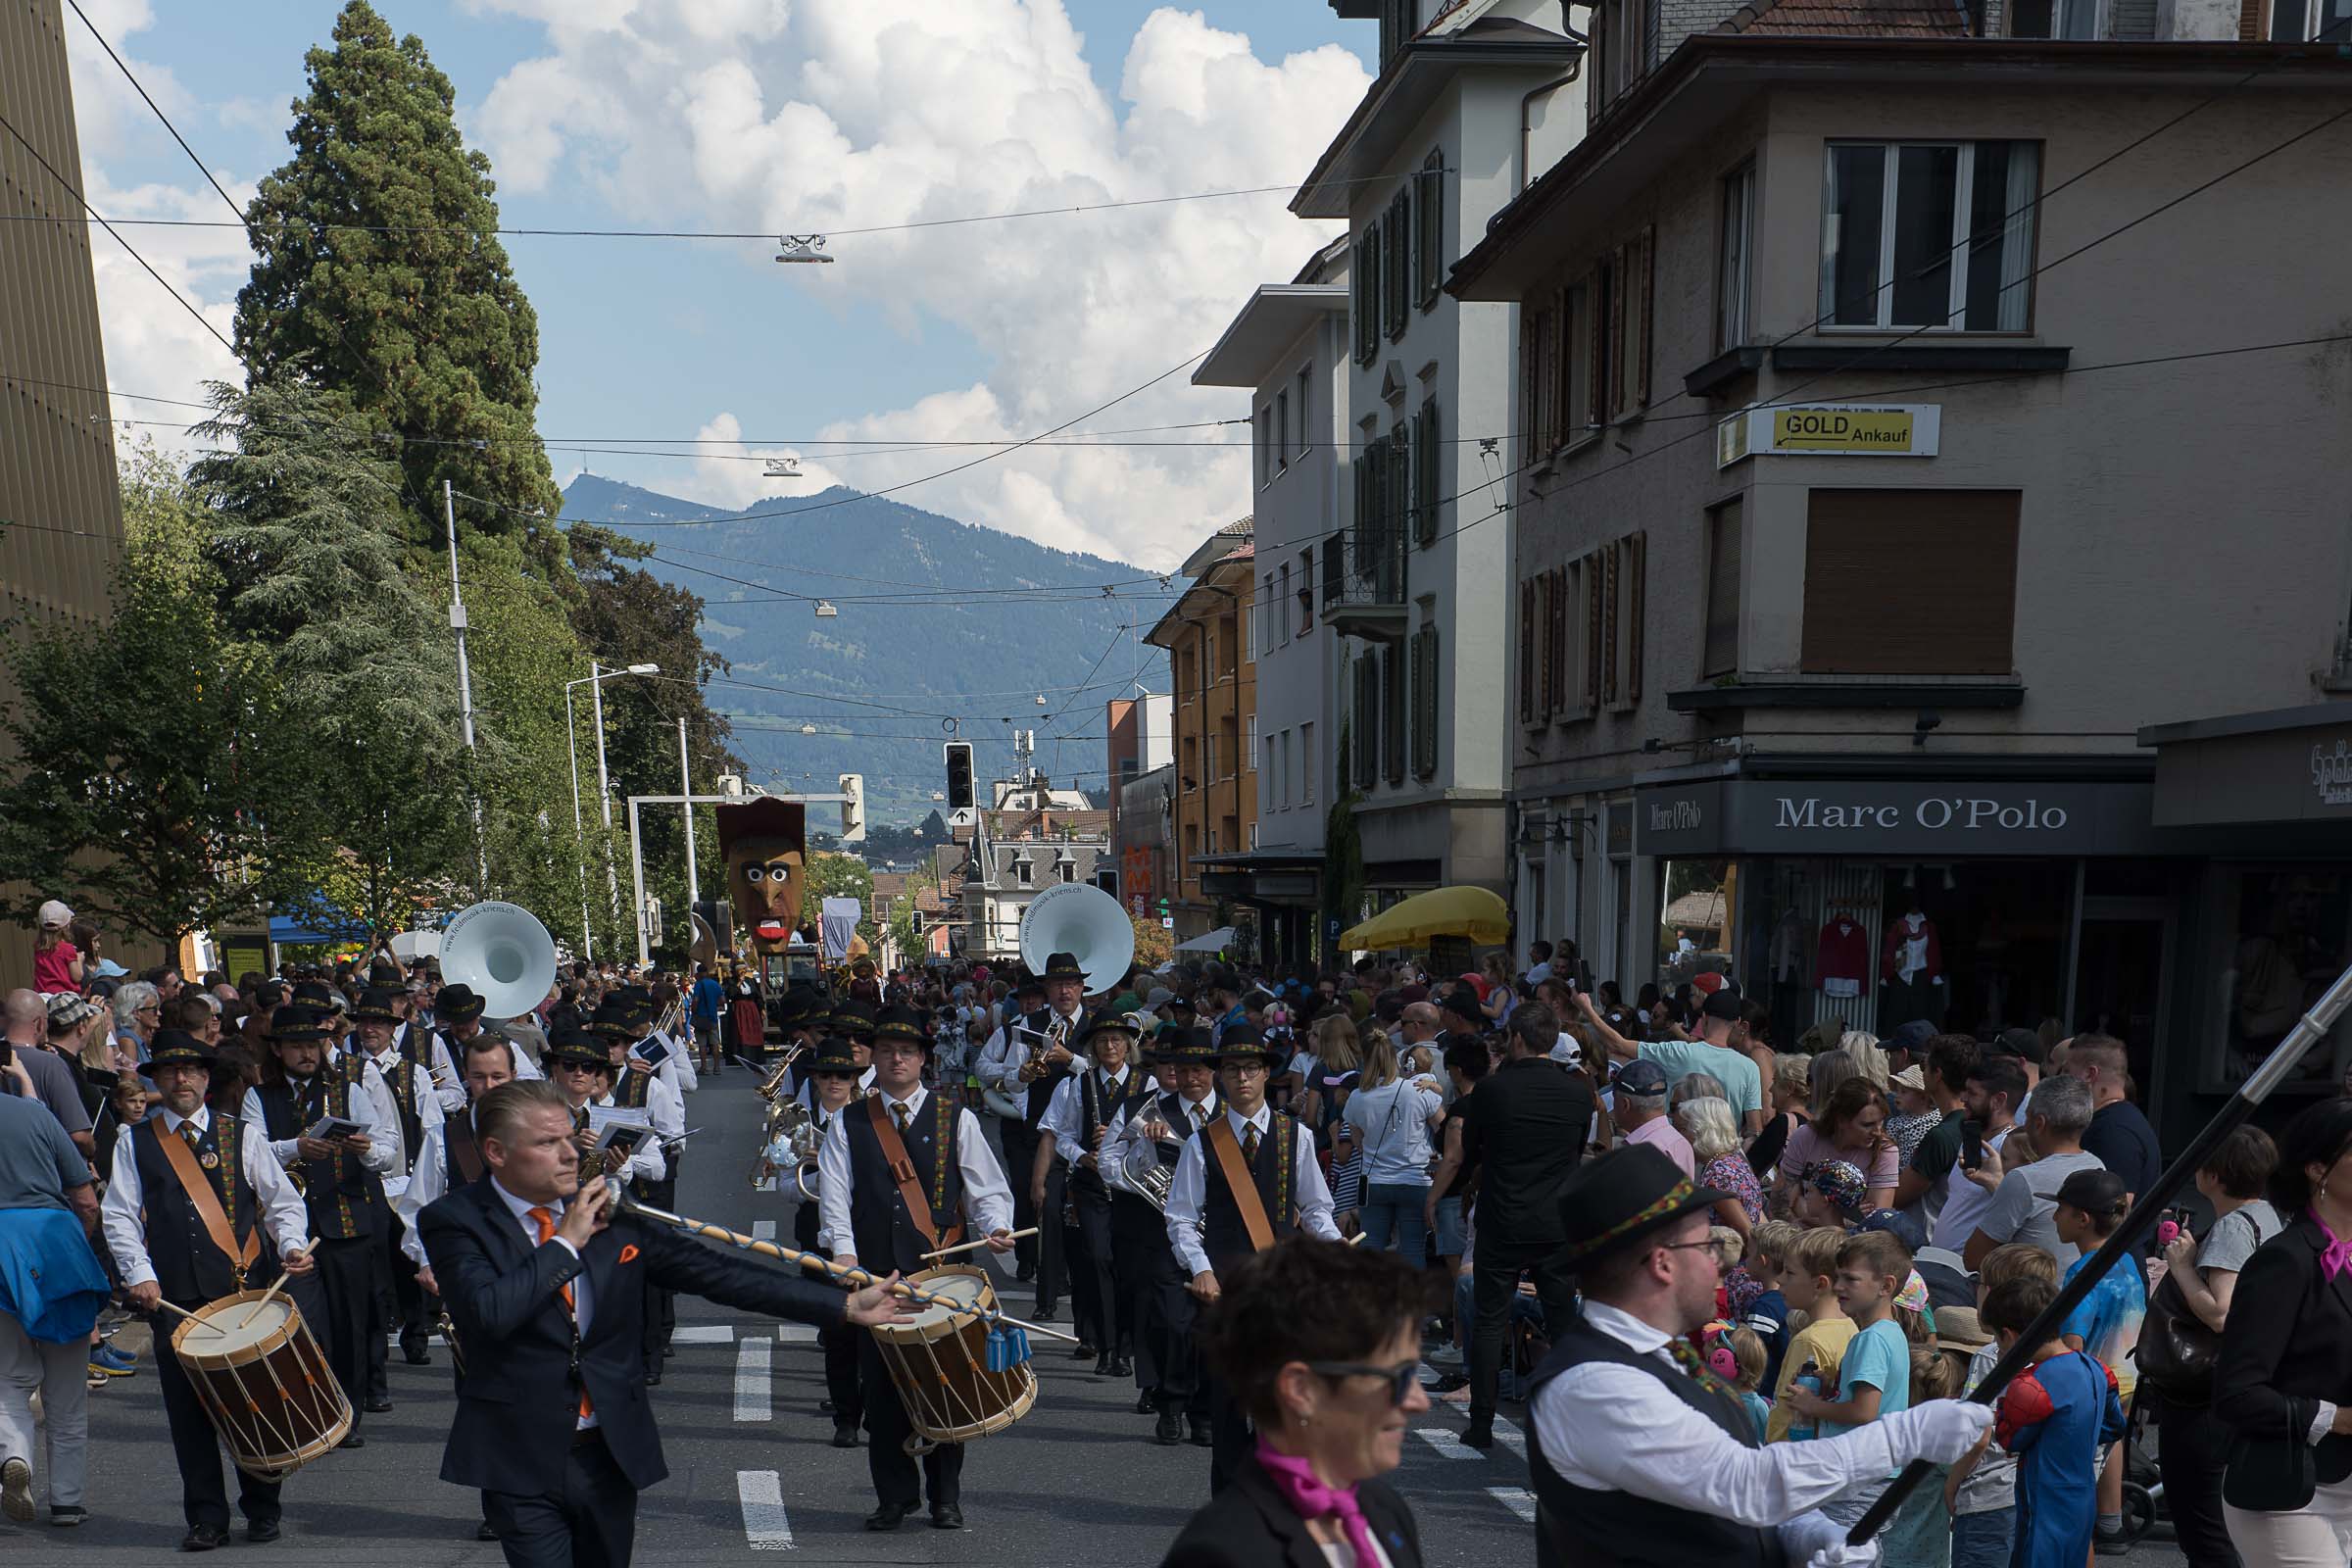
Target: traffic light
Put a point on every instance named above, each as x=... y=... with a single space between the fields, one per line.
x=853 y=810
x=915 y=918
x=959 y=776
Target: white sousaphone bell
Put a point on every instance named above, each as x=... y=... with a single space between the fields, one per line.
x=503 y=953
x=1084 y=921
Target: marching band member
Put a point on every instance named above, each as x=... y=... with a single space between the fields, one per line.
x=1072 y=1136
x=452 y=1154
x=532 y=1262
x=1167 y=1358
x=416 y=1040
x=638 y=1085
x=341 y=1181
x=801 y=1014
x=460 y=1013
x=1244 y=1181
x=872 y=1219
x=1025 y=1059
x=583 y=1070
x=408 y=1101
x=187 y=1185
x=832 y=1089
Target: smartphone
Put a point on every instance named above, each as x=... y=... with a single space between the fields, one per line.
x=1972 y=1144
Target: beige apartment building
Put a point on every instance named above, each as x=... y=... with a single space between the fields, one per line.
x=1932 y=458
x=60 y=517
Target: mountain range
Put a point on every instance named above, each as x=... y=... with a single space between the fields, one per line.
x=931 y=619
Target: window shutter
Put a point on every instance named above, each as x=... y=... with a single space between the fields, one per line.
x=1430 y=214
x=1561 y=381
x=1608 y=625
x=1425 y=701
x=1637 y=548
x=1555 y=658
x=1428 y=470
x=1866 y=551
x=1397 y=303
x=1391 y=666
x=1645 y=279
x=1596 y=328
x=1720 y=654
x=1526 y=649
x=1531 y=379
x=1592 y=603
x=1618 y=383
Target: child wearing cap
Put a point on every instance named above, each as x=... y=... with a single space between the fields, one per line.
x=2056 y=1417
x=2106 y=1323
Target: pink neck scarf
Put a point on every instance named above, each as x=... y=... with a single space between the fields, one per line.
x=1295 y=1478
x=2338 y=1255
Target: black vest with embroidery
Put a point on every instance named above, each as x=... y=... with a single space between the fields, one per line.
x=631 y=1091
x=884 y=1233
x=337 y=1189
x=188 y=1267
x=1594 y=1529
x=1275 y=1174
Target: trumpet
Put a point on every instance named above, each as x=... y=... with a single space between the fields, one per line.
x=776 y=1080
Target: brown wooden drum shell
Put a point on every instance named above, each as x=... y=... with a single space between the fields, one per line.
x=940 y=1369
x=274 y=1403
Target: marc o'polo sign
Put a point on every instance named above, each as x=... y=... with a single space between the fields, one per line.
x=1765 y=817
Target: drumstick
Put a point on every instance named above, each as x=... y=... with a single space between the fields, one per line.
x=271 y=1294
x=950 y=1251
x=208 y=1326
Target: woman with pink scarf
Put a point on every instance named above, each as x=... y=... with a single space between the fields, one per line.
x=1331 y=1390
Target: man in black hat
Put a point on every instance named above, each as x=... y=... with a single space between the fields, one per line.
x=341 y=1180
x=416 y=1040
x=1640 y=1455
x=869 y=1218
x=170 y=1176
x=1027 y=1060
x=1167 y=1357
x=1243 y=1182
x=832 y=1089
x=405 y=1094
x=624 y=1026
x=1067 y=1180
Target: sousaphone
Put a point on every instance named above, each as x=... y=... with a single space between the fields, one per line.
x=503 y=952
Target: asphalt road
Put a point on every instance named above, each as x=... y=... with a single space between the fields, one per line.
x=1078 y=1481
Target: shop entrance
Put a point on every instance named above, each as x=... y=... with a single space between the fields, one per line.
x=2120 y=981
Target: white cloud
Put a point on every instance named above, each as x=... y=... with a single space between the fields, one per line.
x=851 y=113
x=727 y=475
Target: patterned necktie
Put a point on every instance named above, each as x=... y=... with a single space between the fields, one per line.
x=188 y=1132
x=1250 y=1144
x=898 y=1108
x=1200 y=1114
x=546 y=1222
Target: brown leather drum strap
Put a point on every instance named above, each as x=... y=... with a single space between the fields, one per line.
x=901 y=1169
x=1246 y=1198
x=182 y=1160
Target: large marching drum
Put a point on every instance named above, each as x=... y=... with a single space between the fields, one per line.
x=264 y=1382
x=940 y=1361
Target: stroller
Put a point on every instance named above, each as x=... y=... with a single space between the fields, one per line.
x=2143 y=1483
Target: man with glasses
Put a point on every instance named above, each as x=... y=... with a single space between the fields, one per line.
x=1243 y=1182
x=1639 y=1453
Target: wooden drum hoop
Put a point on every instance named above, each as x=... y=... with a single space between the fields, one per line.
x=265 y=1387
x=939 y=1364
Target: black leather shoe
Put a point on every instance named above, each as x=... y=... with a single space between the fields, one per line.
x=204 y=1537
x=945 y=1517
x=379 y=1405
x=1168 y=1431
x=845 y=1436
x=261 y=1532
x=653 y=1376
x=1480 y=1433
x=888 y=1516
x=1025 y=1273
x=1144 y=1404
x=1104 y=1365
x=355 y=1441
x=1200 y=1438
x=416 y=1356
x=1083 y=1352
x=485 y=1531
x=824 y=1407
x=1121 y=1367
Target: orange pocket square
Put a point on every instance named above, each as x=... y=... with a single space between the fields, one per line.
x=628 y=1253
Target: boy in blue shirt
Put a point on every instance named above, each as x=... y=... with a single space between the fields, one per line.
x=1873 y=1378
x=2056 y=1417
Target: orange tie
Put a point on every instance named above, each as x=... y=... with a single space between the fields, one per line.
x=546 y=1222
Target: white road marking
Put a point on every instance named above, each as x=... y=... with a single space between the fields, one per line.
x=795 y=1333
x=763 y=1230
x=764 y=1523
x=1510 y=1436
x=751 y=1401
x=1518 y=1499
x=705 y=1334
x=1448 y=1445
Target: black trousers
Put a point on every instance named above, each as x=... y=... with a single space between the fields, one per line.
x=1138 y=1235
x=592 y=1522
x=840 y=1345
x=1054 y=1246
x=1229 y=1432
x=1020 y=1157
x=196 y=1446
x=661 y=1305
x=1495 y=1266
x=887 y=1461
x=1100 y=1317
x=346 y=1300
x=417 y=1311
x=1184 y=1382
x=2193 y=1448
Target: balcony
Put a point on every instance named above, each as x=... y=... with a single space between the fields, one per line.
x=1371 y=602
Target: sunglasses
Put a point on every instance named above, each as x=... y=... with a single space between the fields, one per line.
x=1400 y=1378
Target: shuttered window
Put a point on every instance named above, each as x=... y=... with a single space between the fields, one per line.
x=1367 y=722
x=1425 y=469
x=1719 y=651
x=1396 y=284
x=1425 y=701
x=1590 y=686
x=1527 y=650
x=1363 y=280
x=1632 y=552
x=1874 y=556
x=1391 y=721
x=1335 y=557
x=1429 y=229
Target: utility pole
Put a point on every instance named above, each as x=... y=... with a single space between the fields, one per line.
x=694 y=886
x=456 y=623
x=604 y=787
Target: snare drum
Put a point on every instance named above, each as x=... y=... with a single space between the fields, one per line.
x=939 y=1360
x=264 y=1382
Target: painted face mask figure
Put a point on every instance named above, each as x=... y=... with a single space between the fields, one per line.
x=765 y=844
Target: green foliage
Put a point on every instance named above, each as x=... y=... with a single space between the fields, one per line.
x=378 y=274
x=1343 y=860
x=902 y=936
x=151 y=746
x=1154 y=943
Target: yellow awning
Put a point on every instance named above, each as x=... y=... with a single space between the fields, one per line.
x=1462 y=911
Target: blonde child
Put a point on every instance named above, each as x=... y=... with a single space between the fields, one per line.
x=1818 y=1350
x=1747 y=1353
x=1768 y=1314
x=1874 y=1376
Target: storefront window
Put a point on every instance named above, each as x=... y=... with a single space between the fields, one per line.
x=2285 y=937
x=1697 y=909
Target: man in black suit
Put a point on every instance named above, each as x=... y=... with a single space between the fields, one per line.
x=546 y=1291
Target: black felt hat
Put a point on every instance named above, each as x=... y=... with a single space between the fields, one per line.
x=177 y=1047
x=299 y=1020
x=375 y=1007
x=1241 y=1040
x=901 y=1022
x=569 y=1045
x=854 y=1018
x=457 y=1003
x=613 y=1019
x=1063 y=966
x=1622 y=1196
x=835 y=1057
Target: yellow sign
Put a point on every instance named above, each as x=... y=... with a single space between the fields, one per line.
x=1831 y=429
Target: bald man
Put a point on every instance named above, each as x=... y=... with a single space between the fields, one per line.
x=27 y=1024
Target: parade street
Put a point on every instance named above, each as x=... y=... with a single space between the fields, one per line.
x=1078 y=1480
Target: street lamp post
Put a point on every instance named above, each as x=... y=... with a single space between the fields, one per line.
x=594 y=680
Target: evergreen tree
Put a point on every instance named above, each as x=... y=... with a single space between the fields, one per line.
x=378 y=275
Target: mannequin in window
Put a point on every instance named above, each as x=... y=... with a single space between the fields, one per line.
x=1911 y=971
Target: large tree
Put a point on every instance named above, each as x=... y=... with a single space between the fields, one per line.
x=161 y=779
x=378 y=274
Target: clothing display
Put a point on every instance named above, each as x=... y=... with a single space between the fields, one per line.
x=1911 y=973
x=1842 y=957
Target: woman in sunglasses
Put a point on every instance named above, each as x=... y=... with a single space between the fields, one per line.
x=1331 y=1393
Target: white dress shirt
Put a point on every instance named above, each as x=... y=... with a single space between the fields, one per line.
x=448 y=1082
x=1609 y=1428
x=428 y=1180
x=646 y=1163
x=1066 y=1113
x=368 y=1109
x=583 y=1294
x=987 y=1200
x=1188 y=1191
x=282 y=1214
x=1008 y=1052
x=380 y=1076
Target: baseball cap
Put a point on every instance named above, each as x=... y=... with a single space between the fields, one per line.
x=1911 y=1035
x=54 y=915
x=1641 y=1077
x=2094 y=1192
x=1712 y=982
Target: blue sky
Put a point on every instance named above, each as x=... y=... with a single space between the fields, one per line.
x=758 y=115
